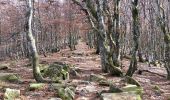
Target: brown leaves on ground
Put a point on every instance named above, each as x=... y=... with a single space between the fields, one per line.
x=88 y=63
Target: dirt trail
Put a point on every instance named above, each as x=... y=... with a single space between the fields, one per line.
x=88 y=63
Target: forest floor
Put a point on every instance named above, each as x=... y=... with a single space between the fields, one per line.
x=88 y=63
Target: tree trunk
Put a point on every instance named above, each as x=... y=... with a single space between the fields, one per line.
x=35 y=60
x=167 y=54
x=136 y=34
x=106 y=50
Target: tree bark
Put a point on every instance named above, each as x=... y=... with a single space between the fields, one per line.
x=35 y=59
x=136 y=34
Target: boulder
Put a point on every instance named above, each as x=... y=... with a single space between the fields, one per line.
x=67 y=93
x=73 y=72
x=132 y=89
x=120 y=96
x=11 y=94
x=4 y=66
x=36 y=86
x=11 y=77
x=114 y=89
x=57 y=71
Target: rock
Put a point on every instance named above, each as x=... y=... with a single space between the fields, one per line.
x=96 y=78
x=130 y=80
x=73 y=72
x=58 y=71
x=115 y=89
x=4 y=66
x=67 y=93
x=43 y=68
x=133 y=89
x=120 y=96
x=104 y=83
x=11 y=94
x=36 y=86
x=55 y=98
x=11 y=77
x=84 y=90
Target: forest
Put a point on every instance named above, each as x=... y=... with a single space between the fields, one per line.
x=84 y=49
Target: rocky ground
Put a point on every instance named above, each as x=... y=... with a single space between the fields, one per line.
x=87 y=64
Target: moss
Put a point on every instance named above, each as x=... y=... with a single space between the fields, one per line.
x=133 y=89
x=57 y=71
x=67 y=93
x=11 y=77
x=11 y=94
x=36 y=86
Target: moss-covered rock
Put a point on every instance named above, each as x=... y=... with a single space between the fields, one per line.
x=96 y=78
x=4 y=66
x=105 y=83
x=114 y=89
x=11 y=77
x=132 y=89
x=66 y=93
x=36 y=86
x=58 y=71
x=11 y=94
x=120 y=96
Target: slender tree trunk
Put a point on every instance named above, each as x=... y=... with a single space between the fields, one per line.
x=136 y=34
x=35 y=59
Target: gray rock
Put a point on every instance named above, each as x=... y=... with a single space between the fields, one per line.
x=11 y=77
x=11 y=94
x=4 y=66
x=132 y=89
x=120 y=96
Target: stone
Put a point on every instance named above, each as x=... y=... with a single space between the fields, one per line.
x=58 y=71
x=4 y=66
x=66 y=93
x=132 y=89
x=11 y=94
x=36 y=86
x=120 y=96
x=105 y=83
x=11 y=77
x=84 y=90
x=115 y=89
x=73 y=72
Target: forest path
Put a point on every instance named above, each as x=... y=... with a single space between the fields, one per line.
x=88 y=63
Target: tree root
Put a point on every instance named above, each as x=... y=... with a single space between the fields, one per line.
x=141 y=71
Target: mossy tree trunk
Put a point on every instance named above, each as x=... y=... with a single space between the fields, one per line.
x=136 y=34
x=98 y=12
x=165 y=29
x=107 y=45
x=35 y=59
